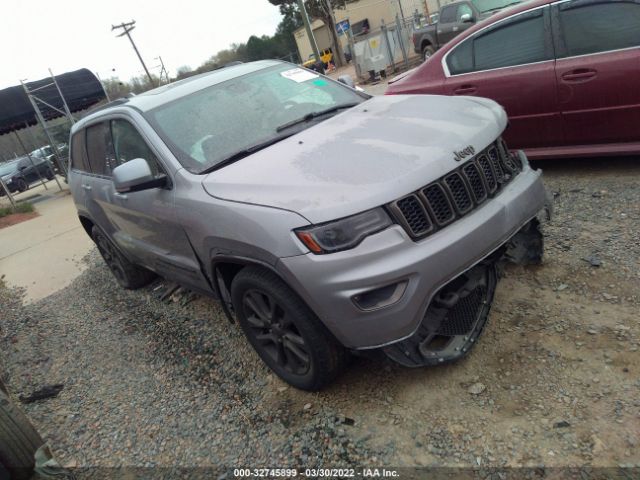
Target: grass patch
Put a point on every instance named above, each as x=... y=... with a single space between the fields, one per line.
x=24 y=207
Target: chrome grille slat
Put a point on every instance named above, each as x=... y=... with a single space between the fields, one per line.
x=454 y=195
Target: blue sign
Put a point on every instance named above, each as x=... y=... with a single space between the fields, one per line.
x=342 y=27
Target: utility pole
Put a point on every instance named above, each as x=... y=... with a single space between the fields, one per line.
x=334 y=34
x=307 y=26
x=401 y=11
x=162 y=69
x=127 y=27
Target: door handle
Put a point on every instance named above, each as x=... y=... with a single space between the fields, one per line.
x=579 y=75
x=465 y=90
x=121 y=196
x=87 y=187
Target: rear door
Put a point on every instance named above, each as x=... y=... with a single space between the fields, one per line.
x=512 y=62
x=598 y=70
x=80 y=172
x=143 y=224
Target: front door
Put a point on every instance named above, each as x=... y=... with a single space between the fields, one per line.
x=143 y=224
x=598 y=70
x=512 y=63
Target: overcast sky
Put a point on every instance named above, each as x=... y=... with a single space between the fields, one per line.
x=67 y=35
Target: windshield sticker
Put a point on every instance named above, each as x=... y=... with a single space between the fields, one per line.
x=298 y=75
x=321 y=82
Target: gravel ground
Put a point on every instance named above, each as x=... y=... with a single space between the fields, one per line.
x=554 y=380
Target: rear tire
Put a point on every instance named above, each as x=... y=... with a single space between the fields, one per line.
x=19 y=440
x=127 y=274
x=49 y=175
x=285 y=333
x=427 y=51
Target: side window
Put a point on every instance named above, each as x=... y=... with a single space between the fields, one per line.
x=463 y=9
x=518 y=41
x=129 y=144
x=448 y=15
x=599 y=27
x=460 y=60
x=78 y=154
x=100 y=149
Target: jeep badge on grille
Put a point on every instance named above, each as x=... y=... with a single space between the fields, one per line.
x=462 y=154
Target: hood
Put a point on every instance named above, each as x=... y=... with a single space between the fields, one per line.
x=362 y=158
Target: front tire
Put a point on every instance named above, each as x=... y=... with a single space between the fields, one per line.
x=127 y=274
x=285 y=333
x=427 y=51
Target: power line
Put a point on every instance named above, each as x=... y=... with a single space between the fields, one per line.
x=127 y=27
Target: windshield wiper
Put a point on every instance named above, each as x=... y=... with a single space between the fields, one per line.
x=245 y=153
x=312 y=115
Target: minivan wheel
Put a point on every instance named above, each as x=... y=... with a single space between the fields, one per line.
x=285 y=333
x=127 y=274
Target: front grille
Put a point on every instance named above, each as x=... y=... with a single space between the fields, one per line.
x=438 y=203
x=414 y=215
x=456 y=194
x=461 y=318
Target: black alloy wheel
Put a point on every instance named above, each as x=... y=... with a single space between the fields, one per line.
x=275 y=332
x=127 y=274
x=285 y=333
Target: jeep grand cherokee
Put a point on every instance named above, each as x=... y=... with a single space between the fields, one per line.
x=325 y=220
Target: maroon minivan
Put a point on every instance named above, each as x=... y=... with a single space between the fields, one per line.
x=567 y=73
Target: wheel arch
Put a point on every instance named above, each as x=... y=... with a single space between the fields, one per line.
x=87 y=224
x=224 y=269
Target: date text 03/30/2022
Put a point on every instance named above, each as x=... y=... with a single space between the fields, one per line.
x=316 y=472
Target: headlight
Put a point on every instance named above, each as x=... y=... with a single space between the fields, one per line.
x=343 y=234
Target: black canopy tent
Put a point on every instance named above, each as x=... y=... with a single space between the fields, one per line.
x=81 y=89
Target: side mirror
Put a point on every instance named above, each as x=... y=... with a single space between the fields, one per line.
x=466 y=18
x=135 y=175
x=347 y=80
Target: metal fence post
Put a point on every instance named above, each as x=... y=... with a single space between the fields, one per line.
x=30 y=159
x=35 y=142
x=385 y=36
x=8 y=193
x=354 y=58
x=399 y=29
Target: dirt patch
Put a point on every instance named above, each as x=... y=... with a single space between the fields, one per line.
x=15 y=218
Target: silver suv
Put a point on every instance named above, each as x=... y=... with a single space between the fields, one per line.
x=327 y=221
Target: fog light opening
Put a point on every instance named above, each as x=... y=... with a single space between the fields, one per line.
x=380 y=297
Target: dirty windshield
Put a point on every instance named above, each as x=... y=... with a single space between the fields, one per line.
x=212 y=125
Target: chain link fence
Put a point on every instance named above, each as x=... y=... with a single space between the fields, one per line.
x=385 y=49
